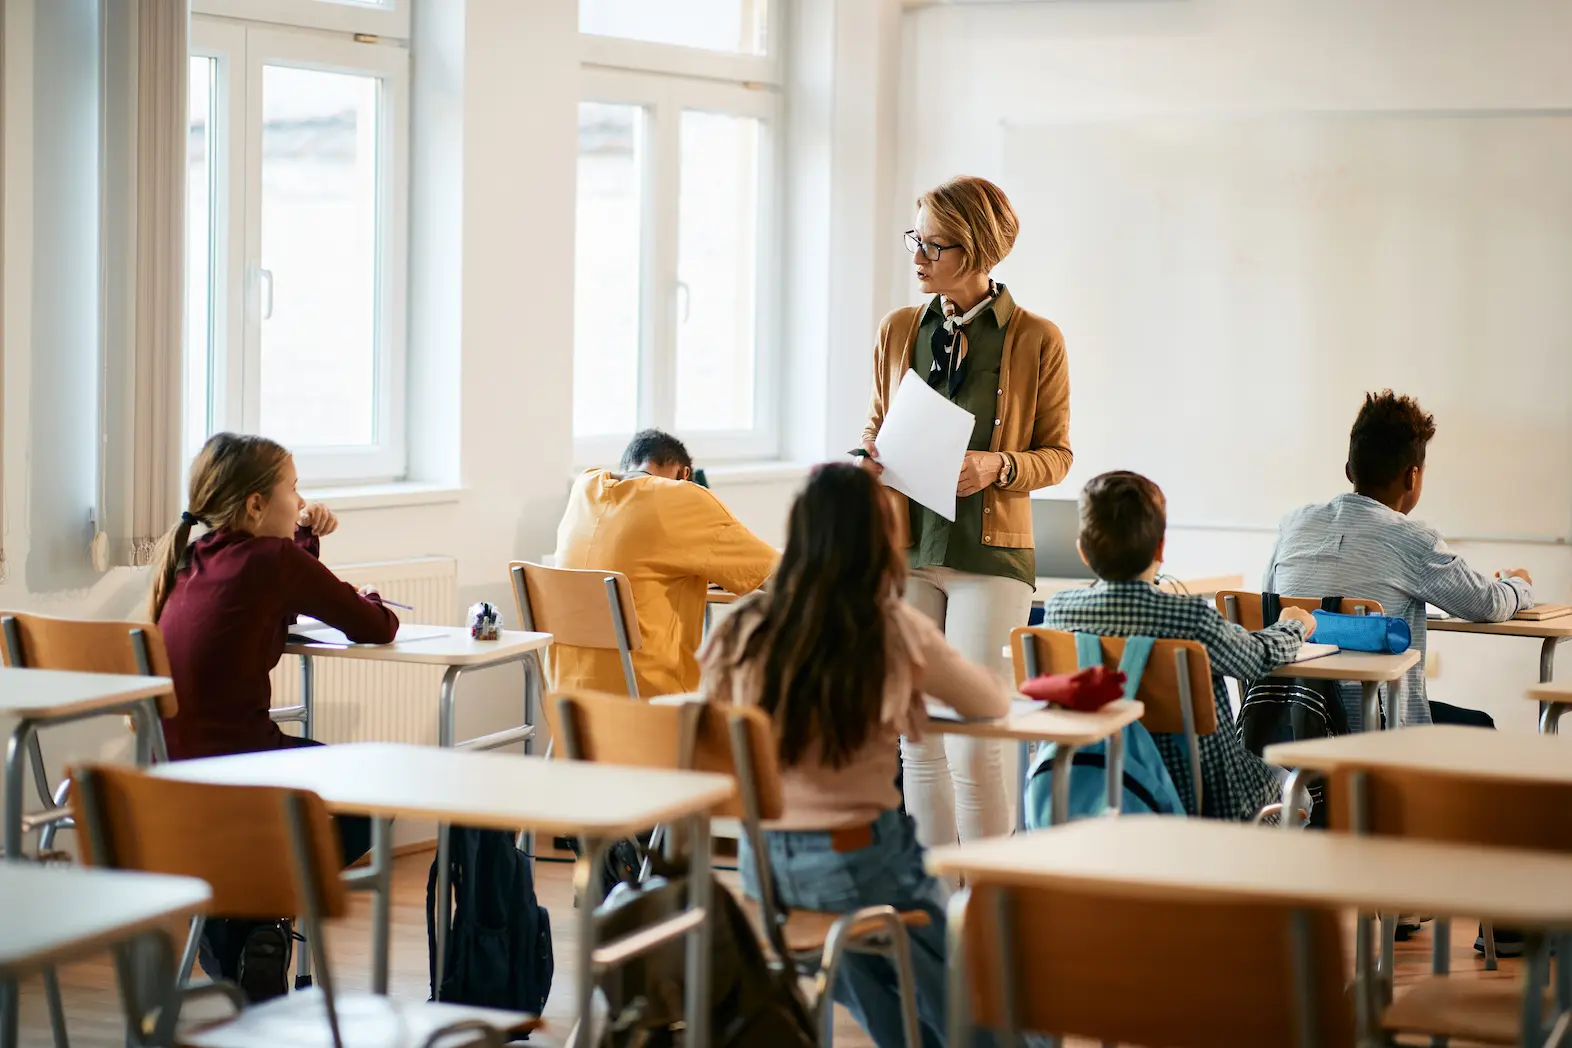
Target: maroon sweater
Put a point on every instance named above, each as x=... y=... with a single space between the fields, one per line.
x=225 y=623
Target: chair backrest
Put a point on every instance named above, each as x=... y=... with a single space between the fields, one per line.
x=1213 y=974
x=1452 y=808
x=580 y=608
x=1053 y=651
x=239 y=839
x=86 y=646
x=610 y=729
x=1244 y=609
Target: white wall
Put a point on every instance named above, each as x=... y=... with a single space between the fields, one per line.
x=968 y=72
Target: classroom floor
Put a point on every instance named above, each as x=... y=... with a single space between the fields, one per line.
x=93 y=1007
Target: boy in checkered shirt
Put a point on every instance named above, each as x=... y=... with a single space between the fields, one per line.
x=1124 y=519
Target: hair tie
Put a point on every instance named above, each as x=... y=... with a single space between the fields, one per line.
x=190 y=519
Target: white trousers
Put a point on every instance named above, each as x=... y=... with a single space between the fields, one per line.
x=955 y=786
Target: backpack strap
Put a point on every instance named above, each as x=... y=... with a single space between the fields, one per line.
x=1137 y=650
x=1271 y=609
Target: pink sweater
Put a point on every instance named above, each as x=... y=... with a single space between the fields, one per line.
x=918 y=662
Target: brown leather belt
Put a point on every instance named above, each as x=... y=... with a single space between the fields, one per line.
x=852 y=838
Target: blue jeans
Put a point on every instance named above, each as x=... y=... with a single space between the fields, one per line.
x=810 y=875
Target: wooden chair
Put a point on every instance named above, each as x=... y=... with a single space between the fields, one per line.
x=1176 y=688
x=82 y=646
x=264 y=851
x=1244 y=609
x=1457 y=809
x=582 y=609
x=1120 y=968
x=683 y=731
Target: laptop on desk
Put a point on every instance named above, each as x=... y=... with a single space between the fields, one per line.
x=1056 y=524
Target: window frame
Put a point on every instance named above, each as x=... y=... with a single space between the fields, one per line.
x=387 y=18
x=663 y=99
x=234 y=376
x=623 y=53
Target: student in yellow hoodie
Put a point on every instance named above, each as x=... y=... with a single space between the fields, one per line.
x=672 y=539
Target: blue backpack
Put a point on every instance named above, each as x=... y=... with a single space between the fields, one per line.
x=1148 y=788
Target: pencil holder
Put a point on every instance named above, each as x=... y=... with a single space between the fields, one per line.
x=485 y=621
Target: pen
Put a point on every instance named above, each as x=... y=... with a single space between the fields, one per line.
x=395 y=604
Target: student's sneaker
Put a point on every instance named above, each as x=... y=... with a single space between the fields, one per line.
x=264 y=962
x=1509 y=943
x=1408 y=926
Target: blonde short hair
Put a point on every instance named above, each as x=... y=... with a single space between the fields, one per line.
x=975 y=214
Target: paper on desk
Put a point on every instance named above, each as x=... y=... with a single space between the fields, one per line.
x=922 y=444
x=316 y=633
x=1018 y=706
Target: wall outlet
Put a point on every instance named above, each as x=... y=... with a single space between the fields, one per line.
x=1432 y=665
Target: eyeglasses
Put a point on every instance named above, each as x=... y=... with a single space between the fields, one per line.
x=929 y=249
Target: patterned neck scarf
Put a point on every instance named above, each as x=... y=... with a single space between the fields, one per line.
x=948 y=370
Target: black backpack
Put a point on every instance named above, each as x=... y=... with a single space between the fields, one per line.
x=499 y=950
x=1290 y=709
x=754 y=1003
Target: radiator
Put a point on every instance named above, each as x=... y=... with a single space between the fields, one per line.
x=359 y=700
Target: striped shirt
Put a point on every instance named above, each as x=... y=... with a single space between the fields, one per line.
x=1235 y=783
x=1354 y=546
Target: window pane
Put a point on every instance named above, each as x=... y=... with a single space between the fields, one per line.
x=606 y=270
x=319 y=243
x=200 y=174
x=714 y=25
x=717 y=271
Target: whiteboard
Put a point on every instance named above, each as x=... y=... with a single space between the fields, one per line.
x=1229 y=289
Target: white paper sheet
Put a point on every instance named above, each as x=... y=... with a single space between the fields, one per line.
x=312 y=632
x=922 y=444
x=1019 y=707
x=1310 y=650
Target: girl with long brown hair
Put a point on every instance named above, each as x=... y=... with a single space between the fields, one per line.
x=841 y=664
x=224 y=604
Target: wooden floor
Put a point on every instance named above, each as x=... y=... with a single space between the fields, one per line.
x=93 y=1008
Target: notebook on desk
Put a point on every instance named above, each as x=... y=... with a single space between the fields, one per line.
x=1311 y=650
x=940 y=712
x=1544 y=611
x=309 y=632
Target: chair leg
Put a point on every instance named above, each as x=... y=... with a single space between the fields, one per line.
x=1489 y=932
x=57 y=1019
x=900 y=950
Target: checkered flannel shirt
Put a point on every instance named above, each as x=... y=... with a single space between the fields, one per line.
x=1235 y=782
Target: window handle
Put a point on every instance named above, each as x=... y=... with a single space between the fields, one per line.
x=266 y=275
x=685 y=298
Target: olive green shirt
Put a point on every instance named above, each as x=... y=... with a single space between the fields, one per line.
x=937 y=542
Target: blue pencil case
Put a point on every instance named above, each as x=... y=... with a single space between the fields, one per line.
x=1381 y=634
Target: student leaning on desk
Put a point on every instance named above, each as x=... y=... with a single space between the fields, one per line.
x=974 y=577
x=672 y=539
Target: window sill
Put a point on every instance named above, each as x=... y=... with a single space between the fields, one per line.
x=770 y=472
x=383 y=496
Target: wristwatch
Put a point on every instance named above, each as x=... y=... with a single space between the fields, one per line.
x=1006 y=471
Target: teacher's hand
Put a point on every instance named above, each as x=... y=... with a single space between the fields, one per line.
x=978 y=471
x=870 y=461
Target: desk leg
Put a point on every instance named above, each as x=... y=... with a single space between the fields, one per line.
x=1547 y=673
x=697 y=1006
x=1550 y=717
x=381 y=901
x=1115 y=802
x=1023 y=774
x=586 y=879
x=1059 y=813
x=534 y=705
x=1371 y=692
x=447 y=714
x=1536 y=958
x=308 y=696
x=15 y=758
x=10 y=1021
x=444 y=911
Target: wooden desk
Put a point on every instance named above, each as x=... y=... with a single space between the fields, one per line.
x=1197 y=586
x=1029 y=722
x=53 y=915
x=599 y=802
x=1549 y=632
x=1368 y=670
x=38 y=698
x=1159 y=857
x=1450 y=748
x=1554 y=699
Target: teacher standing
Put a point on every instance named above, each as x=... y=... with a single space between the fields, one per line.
x=975 y=576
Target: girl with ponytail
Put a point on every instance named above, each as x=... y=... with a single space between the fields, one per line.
x=224 y=603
